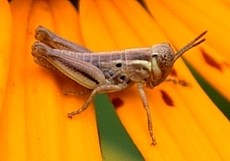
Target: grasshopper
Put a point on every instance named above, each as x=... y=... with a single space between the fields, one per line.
x=105 y=72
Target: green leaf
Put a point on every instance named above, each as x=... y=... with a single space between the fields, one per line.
x=220 y=101
x=116 y=144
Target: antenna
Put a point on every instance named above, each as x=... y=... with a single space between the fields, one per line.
x=190 y=45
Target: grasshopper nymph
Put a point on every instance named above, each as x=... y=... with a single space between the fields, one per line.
x=106 y=72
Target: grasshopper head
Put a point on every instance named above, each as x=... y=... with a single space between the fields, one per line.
x=163 y=58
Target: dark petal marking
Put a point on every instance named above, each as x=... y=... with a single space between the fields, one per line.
x=117 y=102
x=166 y=98
x=173 y=72
x=210 y=61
